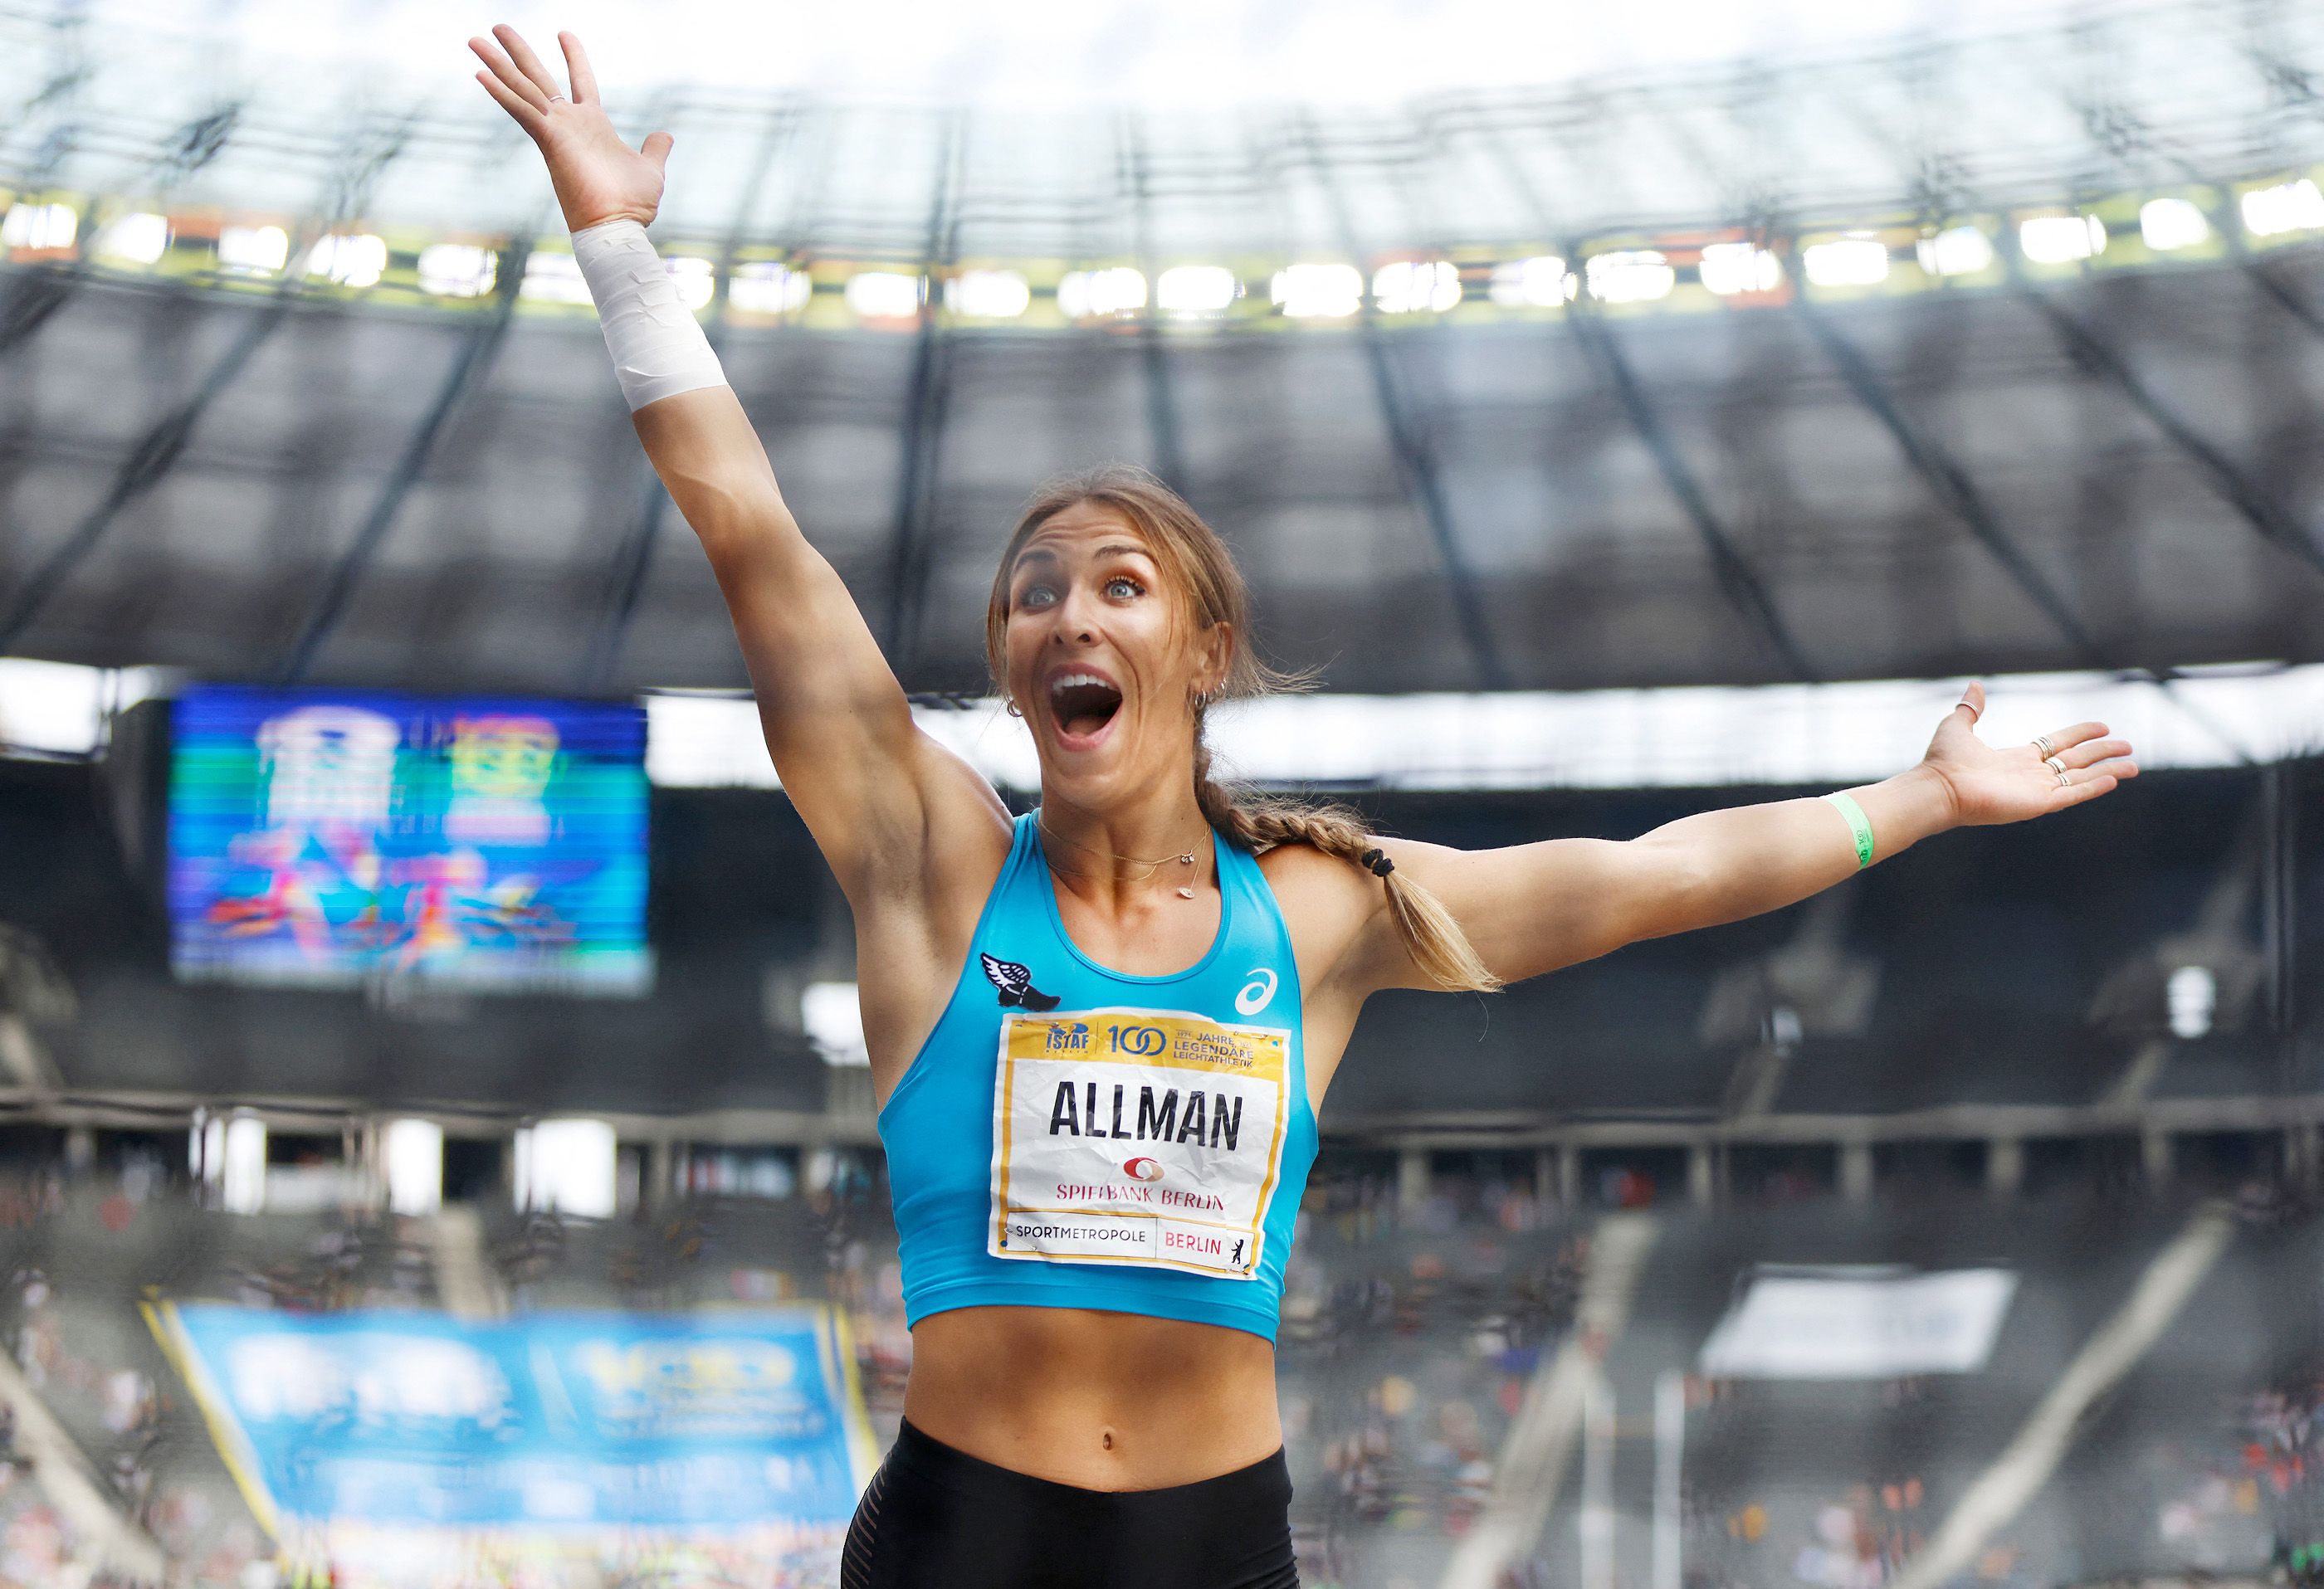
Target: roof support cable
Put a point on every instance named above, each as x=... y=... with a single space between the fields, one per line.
x=1164 y=438
x=2253 y=505
x=1957 y=493
x=927 y=401
x=1417 y=461
x=148 y=464
x=1737 y=578
x=469 y=368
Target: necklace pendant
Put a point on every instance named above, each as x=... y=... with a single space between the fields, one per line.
x=1186 y=860
x=1185 y=894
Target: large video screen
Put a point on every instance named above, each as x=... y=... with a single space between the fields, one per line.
x=332 y=838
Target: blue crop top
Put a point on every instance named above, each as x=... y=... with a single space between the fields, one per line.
x=1071 y=1137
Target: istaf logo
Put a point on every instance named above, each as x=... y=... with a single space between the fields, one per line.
x=1142 y=1168
x=1015 y=985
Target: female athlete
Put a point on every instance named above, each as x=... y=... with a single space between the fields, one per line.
x=1099 y=1033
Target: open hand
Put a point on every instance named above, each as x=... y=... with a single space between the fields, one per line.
x=2010 y=782
x=596 y=175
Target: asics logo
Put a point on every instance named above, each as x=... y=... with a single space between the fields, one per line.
x=1257 y=992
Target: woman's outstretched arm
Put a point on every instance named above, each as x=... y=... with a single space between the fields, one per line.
x=836 y=722
x=1533 y=907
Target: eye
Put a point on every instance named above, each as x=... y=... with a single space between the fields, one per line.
x=1036 y=595
x=1122 y=587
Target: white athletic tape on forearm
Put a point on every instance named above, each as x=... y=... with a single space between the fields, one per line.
x=658 y=346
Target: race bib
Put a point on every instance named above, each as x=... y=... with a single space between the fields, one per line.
x=1124 y=1136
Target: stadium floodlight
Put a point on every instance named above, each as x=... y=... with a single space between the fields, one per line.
x=762 y=287
x=2288 y=207
x=349 y=258
x=1859 y=261
x=458 y=269
x=696 y=278
x=414 y=1154
x=1318 y=291
x=2060 y=240
x=1196 y=290
x=1729 y=268
x=1957 y=251
x=1407 y=287
x=553 y=278
x=1540 y=282
x=988 y=295
x=1630 y=275
x=884 y=295
x=242 y=1180
x=254 y=251
x=2168 y=224
x=566 y=1166
x=2192 y=994
x=832 y=1016
x=140 y=238
x=39 y=225
x=1092 y=295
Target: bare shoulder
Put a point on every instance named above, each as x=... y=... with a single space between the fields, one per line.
x=1327 y=904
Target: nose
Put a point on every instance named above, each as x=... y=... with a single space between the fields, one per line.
x=1073 y=623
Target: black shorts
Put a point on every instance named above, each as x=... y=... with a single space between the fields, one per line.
x=935 y=1518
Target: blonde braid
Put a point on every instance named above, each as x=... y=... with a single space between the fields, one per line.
x=1257 y=822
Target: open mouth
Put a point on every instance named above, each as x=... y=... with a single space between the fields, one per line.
x=1081 y=704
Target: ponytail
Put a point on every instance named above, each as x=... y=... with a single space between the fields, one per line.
x=1254 y=822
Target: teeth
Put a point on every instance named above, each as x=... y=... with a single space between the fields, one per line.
x=1068 y=681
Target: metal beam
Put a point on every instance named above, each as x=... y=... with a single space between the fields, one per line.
x=1946 y=481
x=634 y=558
x=1415 y=459
x=2120 y=132
x=1737 y=577
x=2258 y=510
x=155 y=454
x=1163 y=434
x=926 y=403
x=164 y=443
x=468 y=370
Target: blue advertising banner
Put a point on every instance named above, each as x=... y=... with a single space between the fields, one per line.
x=721 y=1420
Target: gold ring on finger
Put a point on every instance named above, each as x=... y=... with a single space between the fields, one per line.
x=2054 y=765
x=2048 y=749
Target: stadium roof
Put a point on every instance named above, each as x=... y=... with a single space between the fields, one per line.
x=2010 y=364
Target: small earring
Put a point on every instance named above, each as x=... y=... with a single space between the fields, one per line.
x=1012 y=709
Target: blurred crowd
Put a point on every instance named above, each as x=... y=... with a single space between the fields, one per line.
x=1412 y=1329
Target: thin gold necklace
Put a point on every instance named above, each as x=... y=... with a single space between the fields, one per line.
x=1183 y=858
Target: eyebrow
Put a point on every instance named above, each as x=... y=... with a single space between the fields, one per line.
x=1043 y=554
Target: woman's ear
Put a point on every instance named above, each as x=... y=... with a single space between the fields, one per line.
x=1218 y=643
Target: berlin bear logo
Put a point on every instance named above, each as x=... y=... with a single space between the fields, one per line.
x=1015 y=985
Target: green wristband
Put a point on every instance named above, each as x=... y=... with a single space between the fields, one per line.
x=1858 y=824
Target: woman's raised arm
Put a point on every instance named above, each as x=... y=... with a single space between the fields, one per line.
x=836 y=722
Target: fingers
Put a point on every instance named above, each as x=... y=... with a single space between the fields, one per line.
x=657 y=149
x=513 y=80
x=528 y=62
x=2090 y=752
x=2091 y=782
x=576 y=69
x=1974 y=698
x=2061 y=739
x=525 y=116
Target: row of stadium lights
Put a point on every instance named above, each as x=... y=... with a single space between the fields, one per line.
x=1301 y=292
